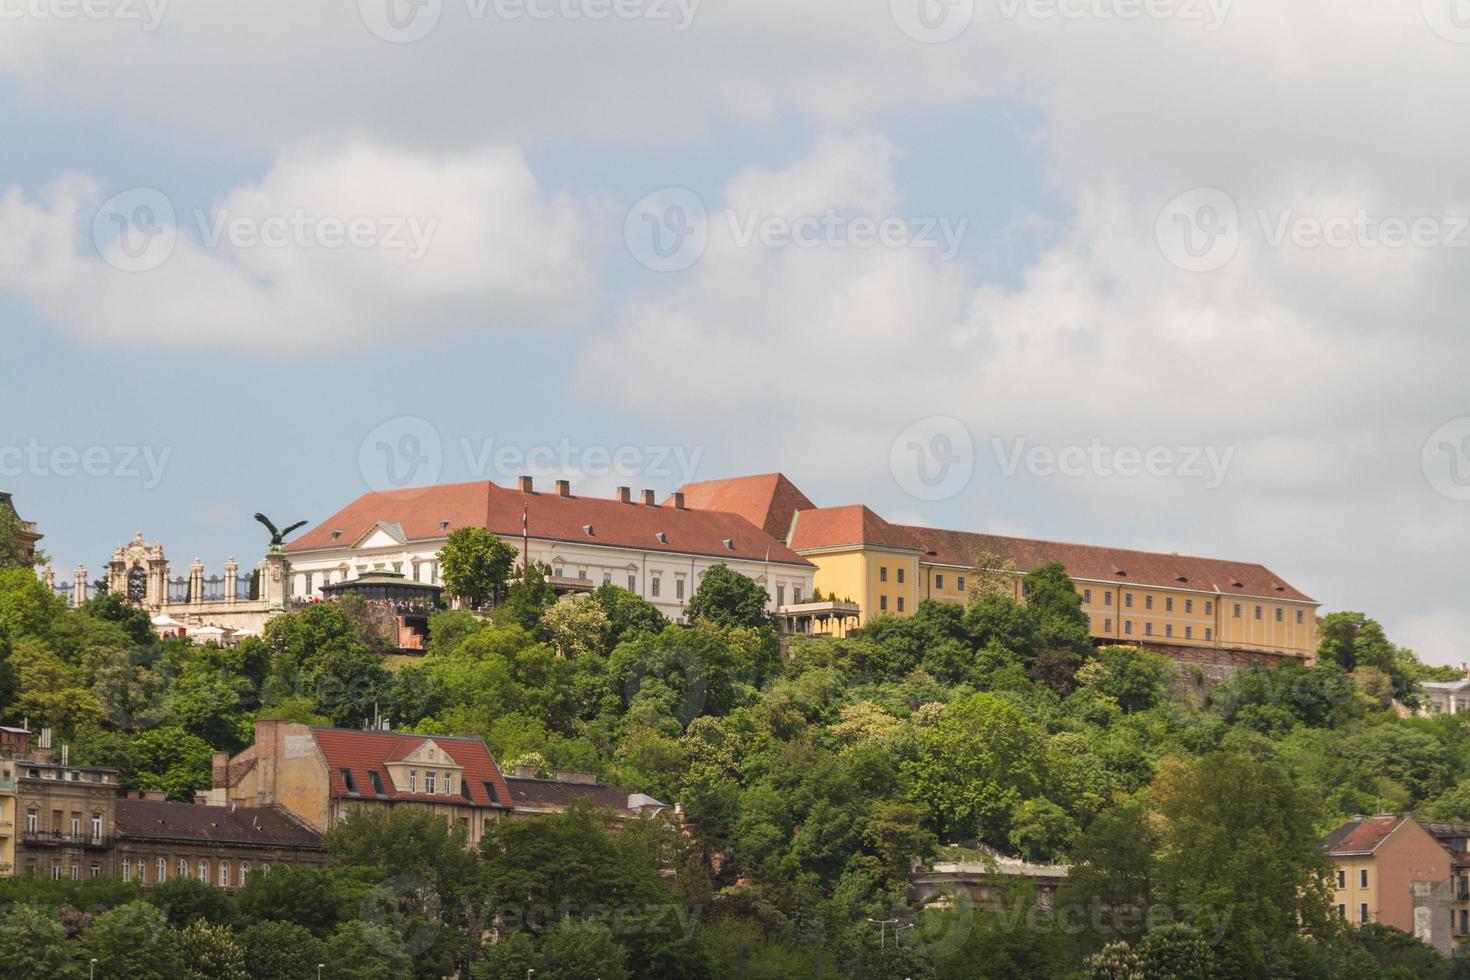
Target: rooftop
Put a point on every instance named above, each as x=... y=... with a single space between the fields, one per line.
x=261 y=826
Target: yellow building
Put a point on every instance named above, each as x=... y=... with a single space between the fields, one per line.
x=1136 y=597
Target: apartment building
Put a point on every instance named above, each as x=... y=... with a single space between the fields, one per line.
x=1394 y=870
x=157 y=840
x=877 y=568
x=66 y=816
x=659 y=553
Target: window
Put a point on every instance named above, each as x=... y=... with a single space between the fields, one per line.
x=1236 y=612
x=349 y=781
x=607 y=578
x=1209 y=633
x=780 y=593
x=1148 y=629
x=377 y=782
x=900 y=576
x=244 y=870
x=1341 y=879
x=1148 y=602
x=1107 y=598
x=224 y=874
x=1363 y=912
x=429 y=783
x=1209 y=608
x=96 y=828
x=1280 y=615
x=1189 y=632
x=1168 y=603
x=1168 y=629
x=1298 y=617
x=31 y=820
x=160 y=873
x=413 y=780
x=1258 y=612
x=310 y=579
x=939 y=581
x=56 y=872
x=491 y=794
x=76 y=826
x=900 y=603
x=1128 y=627
x=796 y=594
x=632 y=583
x=183 y=869
x=1107 y=626
x=882 y=603
x=76 y=872
x=653 y=587
x=1362 y=877
x=679 y=590
x=1086 y=595
x=265 y=869
x=1128 y=599
x=882 y=573
x=1189 y=605
x=94 y=871
x=960 y=583
x=127 y=871
x=1342 y=911
x=203 y=870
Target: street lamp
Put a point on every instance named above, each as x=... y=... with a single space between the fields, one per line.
x=908 y=925
x=92 y=969
x=883 y=925
x=319 y=968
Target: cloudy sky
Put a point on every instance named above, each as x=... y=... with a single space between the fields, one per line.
x=1185 y=275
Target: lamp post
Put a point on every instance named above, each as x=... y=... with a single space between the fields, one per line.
x=319 y=968
x=908 y=925
x=883 y=925
x=92 y=969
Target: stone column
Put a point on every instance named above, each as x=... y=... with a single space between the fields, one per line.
x=232 y=579
x=275 y=580
x=157 y=578
x=79 y=585
x=49 y=578
x=196 y=581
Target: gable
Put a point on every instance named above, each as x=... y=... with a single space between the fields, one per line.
x=383 y=534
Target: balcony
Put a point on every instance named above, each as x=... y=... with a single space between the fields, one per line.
x=48 y=838
x=7 y=784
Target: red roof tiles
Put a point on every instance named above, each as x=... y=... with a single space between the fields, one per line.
x=430 y=513
x=363 y=752
x=266 y=826
x=768 y=501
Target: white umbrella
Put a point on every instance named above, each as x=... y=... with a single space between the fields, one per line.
x=167 y=623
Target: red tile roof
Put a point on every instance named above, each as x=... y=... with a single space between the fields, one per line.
x=836 y=527
x=768 y=501
x=1363 y=836
x=363 y=752
x=420 y=513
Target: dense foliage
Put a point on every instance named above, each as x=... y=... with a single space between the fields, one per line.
x=811 y=779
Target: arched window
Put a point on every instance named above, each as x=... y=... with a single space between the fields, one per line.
x=137 y=584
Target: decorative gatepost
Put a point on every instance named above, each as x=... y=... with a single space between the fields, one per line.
x=275 y=580
x=79 y=586
x=232 y=580
x=48 y=578
x=196 y=582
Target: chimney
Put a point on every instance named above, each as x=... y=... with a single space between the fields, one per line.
x=526 y=772
x=157 y=796
x=528 y=485
x=625 y=495
x=581 y=778
x=563 y=488
x=220 y=770
x=648 y=498
x=678 y=500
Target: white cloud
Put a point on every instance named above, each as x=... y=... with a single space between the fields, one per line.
x=328 y=249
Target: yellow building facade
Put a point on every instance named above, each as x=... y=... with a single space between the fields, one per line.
x=1130 y=597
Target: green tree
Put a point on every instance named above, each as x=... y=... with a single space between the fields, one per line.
x=11 y=529
x=475 y=565
x=305 y=896
x=185 y=901
x=366 y=951
x=281 y=951
x=113 y=607
x=211 y=953
x=1113 y=872
x=728 y=599
x=578 y=626
x=586 y=951
x=133 y=942
x=33 y=943
x=628 y=614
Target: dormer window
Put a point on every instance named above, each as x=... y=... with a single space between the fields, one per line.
x=413 y=780
x=429 y=783
x=348 y=781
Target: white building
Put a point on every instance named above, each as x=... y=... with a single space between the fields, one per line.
x=657 y=552
x=1445 y=697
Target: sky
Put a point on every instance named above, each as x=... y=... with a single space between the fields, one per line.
x=1180 y=275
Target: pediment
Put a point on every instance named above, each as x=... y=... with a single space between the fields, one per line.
x=383 y=534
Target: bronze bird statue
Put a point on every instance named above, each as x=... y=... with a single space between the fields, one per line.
x=278 y=538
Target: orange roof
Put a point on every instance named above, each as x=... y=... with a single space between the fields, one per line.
x=835 y=527
x=1363 y=836
x=768 y=501
x=430 y=513
x=361 y=753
